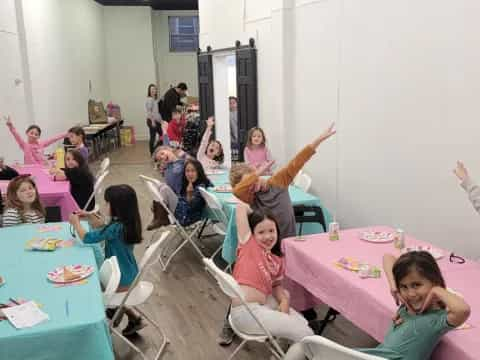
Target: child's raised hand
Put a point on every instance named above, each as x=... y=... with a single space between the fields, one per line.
x=324 y=136
x=431 y=299
x=262 y=169
x=461 y=171
x=210 y=121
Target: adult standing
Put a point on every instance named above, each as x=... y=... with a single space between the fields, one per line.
x=234 y=145
x=171 y=100
x=153 y=116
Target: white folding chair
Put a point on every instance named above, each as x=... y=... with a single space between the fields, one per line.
x=231 y=288
x=320 y=348
x=186 y=236
x=109 y=278
x=219 y=217
x=96 y=188
x=104 y=165
x=138 y=293
x=302 y=181
x=148 y=178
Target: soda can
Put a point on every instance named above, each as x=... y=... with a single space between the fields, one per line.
x=333 y=231
x=399 y=242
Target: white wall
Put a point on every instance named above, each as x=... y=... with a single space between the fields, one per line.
x=65 y=49
x=131 y=68
x=409 y=103
x=172 y=67
x=12 y=92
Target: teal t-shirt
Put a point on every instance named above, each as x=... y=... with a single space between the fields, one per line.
x=415 y=338
x=115 y=245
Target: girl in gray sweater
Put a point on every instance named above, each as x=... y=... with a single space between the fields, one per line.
x=472 y=189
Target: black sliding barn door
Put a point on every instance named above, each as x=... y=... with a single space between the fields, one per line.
x=205 y=85
x=246 y=93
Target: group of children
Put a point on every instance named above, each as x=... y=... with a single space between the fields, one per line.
x=22 y=203
x=264 y=217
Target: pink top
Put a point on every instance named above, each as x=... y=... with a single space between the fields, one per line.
x=256 y=156
x=207 y=163
x=33 y=153
x=257 y=267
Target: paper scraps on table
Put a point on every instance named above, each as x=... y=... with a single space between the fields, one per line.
x=363 y=269
x=25 y=315
x=42 y=244
x=49 y=228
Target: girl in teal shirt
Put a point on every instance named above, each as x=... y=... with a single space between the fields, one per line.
x=427 y=309
x=120 y=234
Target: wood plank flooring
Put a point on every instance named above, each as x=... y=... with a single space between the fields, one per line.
x=187 y=302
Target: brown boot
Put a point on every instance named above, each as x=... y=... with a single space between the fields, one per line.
x=160 y=216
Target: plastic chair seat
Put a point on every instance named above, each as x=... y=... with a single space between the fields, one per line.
x=139 y=295
x=245 y=336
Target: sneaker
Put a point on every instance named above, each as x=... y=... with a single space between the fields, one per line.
x=133 y=326
x=226 y=336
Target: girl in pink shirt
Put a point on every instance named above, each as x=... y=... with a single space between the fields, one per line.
x=256 y=152
x=259 y=271
x=33 y=148
x=210 y=153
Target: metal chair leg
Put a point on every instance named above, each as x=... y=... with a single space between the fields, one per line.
x=239 y=347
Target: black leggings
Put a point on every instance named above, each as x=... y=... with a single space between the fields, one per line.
x=153 y=130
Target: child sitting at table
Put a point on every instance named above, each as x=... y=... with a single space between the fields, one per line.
x=176 y=126
x=190 y=202
x=210 y=153
x=23 y=204
x=120 y=233
x=427 y=311
x=76 y=136
x=468 y=185
x=32 y=148
x=256 y=152
x=6 y=172
x=271 y=194
x=259 y=271
x=81 y=180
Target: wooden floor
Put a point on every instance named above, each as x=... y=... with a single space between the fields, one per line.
x=186 y=301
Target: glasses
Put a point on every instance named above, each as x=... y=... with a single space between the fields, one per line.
x=456 y=259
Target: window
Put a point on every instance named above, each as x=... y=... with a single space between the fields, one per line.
x=183 y=33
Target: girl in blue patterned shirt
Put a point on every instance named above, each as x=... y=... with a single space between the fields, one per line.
x=120 y=234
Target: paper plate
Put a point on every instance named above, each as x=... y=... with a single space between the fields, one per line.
x=377 y=236
x=436 y=253
x=215 y=172
x=83 y=271
x=232 y=200
x=223 y=189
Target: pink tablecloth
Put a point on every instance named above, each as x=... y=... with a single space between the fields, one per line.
x=52 y=193
x=367 y=302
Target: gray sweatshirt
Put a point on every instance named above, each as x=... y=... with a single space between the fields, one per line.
x=473 y=191
x=151 y=109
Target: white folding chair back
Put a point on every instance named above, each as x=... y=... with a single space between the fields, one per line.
x=303 y=181
x=104 y=165
x=320 y=348
x=232 y=289
x=138 y=294
x=219 y=215
x=150 y=179
x=180 y=230
x=109 y=277
x=96 y=188
x=157 y=196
